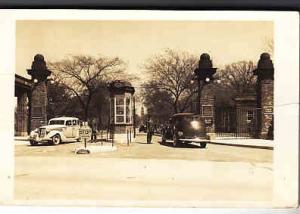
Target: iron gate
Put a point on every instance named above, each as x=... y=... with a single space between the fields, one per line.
x=242 y=122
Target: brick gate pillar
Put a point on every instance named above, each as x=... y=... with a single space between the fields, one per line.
x=207 y=106
x=265 y=96
x=39 y=100
x=206 y=98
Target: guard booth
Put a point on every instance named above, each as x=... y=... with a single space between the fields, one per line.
x=122 y=111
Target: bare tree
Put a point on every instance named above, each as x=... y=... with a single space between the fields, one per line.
x=81 y=75
x=238 y=77
x=172 y=72
x=158 y=102
x=269 y=46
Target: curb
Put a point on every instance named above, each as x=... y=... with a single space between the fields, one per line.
x=243 y=145
x=21 y=139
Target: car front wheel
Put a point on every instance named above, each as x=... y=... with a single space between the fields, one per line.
x=56 y=139
x=33 y=143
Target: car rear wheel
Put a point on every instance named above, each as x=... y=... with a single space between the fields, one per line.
x=33 y=143
x=163 y=139
x=203 y=145
x=56 y=139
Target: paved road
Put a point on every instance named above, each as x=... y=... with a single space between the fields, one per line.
x=141 y=150
x=141 y=174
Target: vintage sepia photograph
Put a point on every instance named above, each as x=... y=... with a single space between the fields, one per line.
x=147 y=113
x=144 y=110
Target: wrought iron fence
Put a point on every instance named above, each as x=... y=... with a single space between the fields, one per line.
x=237 y=122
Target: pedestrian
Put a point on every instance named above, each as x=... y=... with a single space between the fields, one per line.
x=94 y=132
x=150 y=129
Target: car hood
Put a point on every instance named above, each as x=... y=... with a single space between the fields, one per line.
x=52 y=127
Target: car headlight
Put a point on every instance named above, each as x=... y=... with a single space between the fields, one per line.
x=180 y=133
x=195 y=124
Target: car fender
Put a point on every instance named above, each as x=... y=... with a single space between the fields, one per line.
x=54 y=132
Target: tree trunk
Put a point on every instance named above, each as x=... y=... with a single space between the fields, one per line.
x=87 y=105
x=175 y=106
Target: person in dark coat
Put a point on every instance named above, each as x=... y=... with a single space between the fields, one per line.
x=150 y=130
x=94 y=132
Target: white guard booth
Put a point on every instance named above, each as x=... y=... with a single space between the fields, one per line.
x=122 y=111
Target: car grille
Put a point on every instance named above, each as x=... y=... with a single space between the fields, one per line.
x=42 y=132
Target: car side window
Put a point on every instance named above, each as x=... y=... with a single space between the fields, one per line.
x=69 y=123
x=74 y=122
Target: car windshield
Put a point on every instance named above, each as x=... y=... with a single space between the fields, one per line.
x=185 y=119
x=56 y=122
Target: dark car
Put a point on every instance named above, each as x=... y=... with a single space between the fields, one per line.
x=185 y=128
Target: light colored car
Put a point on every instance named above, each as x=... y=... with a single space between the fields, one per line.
x=60 y=129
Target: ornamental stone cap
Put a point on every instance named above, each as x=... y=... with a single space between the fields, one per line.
x=205 y=56
x=121 y=86
x=265 y=68
x=39 y=57
x=205 y=68
x=205 y=61
x=39 y=68
x=265 y=62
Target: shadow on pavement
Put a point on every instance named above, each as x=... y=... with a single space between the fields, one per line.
x=182 y=145
x=142 y=142
x=48 y=144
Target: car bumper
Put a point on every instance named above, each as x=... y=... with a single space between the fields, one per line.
x=39 y=139
x=194 y=140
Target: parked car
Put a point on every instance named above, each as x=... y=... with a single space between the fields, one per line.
x=60 y=129
x=185 y=128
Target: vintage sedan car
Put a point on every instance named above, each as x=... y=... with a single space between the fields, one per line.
x=60 y=129
x=185 y=128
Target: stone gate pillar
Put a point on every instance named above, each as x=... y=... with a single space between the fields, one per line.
x=265 y=90
x=38 y=98
x=206 y=97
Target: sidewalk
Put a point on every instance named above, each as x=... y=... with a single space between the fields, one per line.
x=21 y=140
x=255 y=143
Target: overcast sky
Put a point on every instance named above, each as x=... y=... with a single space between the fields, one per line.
x=135 y=41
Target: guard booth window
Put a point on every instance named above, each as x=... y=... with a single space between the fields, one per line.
x=123 y=109
x=120 y=109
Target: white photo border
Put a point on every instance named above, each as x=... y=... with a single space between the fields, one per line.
x=286 y=85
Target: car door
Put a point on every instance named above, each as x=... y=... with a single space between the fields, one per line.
x=75 y=131
x=69 y=129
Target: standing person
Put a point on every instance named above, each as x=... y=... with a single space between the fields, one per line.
x=94 y=132
x=149 y=127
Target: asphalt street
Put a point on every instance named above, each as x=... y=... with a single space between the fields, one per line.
x=142 y=173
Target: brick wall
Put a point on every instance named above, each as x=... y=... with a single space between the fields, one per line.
x=266 y=102
x=207 y=103
x=39 y=105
